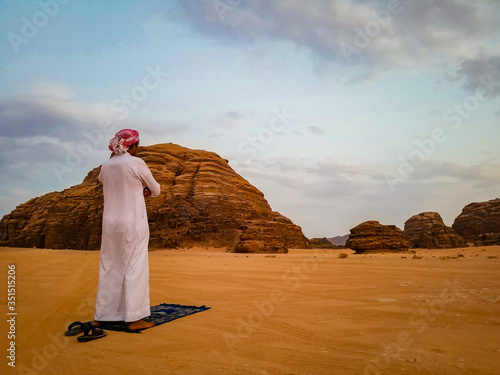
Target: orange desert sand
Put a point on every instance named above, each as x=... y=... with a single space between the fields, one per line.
x=306 y=312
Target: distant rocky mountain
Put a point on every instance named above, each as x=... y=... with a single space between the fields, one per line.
x=320 y=243
x=427 y=230
x=479 y=223
x=203 y=202
x=339 y=240
x=371 y=236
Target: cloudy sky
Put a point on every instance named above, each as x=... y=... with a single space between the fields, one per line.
x=339 y=111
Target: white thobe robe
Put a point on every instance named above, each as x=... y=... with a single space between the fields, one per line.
x=123 y=289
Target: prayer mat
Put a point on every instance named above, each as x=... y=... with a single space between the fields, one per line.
x=160 y=314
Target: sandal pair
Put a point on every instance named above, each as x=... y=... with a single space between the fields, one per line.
x=89 y=331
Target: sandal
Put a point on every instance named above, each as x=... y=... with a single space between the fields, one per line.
x=92 y=333
x=75 y=328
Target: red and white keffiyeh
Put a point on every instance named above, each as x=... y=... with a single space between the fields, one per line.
x=122 y=140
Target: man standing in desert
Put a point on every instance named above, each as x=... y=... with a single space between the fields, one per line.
x=123 y=290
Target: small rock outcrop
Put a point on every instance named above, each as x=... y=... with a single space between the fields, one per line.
x=428 y=231
x=203 y=202
x=479 y=223
x=371 y=236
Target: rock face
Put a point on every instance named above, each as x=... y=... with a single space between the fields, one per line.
x=479 y=223
x=203 y=202
x=371 y=236
x=428 y=231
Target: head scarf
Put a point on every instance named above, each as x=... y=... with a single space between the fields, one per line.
x=122 y=140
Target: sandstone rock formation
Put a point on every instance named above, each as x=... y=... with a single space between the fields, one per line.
x=427 y=230
x=479 y=223
x=371 y=236
x=203 y=202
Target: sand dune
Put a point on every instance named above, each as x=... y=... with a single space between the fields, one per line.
x=306 y=312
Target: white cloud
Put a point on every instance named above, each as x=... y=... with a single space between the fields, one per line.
x=481 y=175
x=49 y=129
x=413 y=35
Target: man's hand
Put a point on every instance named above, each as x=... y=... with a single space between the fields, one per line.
x=147 y=192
